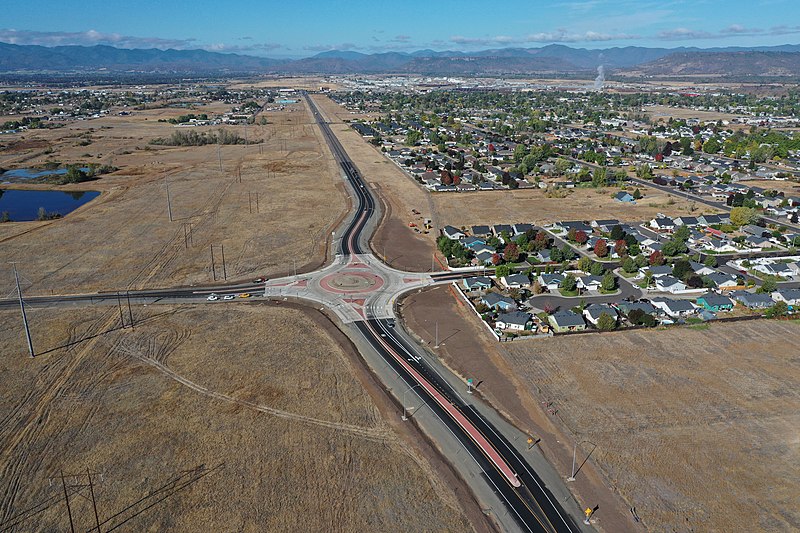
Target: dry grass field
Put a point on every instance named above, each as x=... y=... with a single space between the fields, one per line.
x=124 y=238
x=791 y=188
x=678 y=113
x=533 y=206
x=696 y=428
x=236 y=426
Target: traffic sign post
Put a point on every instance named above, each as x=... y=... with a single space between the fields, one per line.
x=588 y=512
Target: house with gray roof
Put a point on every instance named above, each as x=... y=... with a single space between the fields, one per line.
x=562 y=321
x=644 y=307
x=753 y=300
x=715 y=302
x=477 y=283
x=592 y=312
x=498 y=302
x=515 y=320
x=673 y=308
x=790 y=296
x=551 y=281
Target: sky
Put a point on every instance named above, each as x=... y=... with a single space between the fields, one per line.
x=304 y=28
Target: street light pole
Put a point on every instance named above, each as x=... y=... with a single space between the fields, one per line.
x=574 y=452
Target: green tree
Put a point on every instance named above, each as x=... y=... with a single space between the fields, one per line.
x=569 y=283
x=768 y=286
x=584 y=263
x=777 y=310
x=502 y=271
x=681 y=269
x=629 y=265
x=599 y=177
x=609 y=282
x=711 y=261
x=597 y=269
x=741 y=216
x=606 y=322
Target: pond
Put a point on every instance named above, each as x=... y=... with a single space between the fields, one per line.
x=23 y=206
x=32 y=173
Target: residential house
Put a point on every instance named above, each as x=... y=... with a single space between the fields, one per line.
x=454 y=234
x=543 y=256
x=483 y=258
x=662 y=224
x=481 y=231
x=758 y=231
x=673 y=308
x=669 y=284
x=775 y=269
x=657 y=271
x=624 y=197
x=551 y=281
x=645 y=307
x=723 y=281
x=715 y=302
x=516 y=281
x=519 y=229
x=753 y=300
x=477 y=283
x=592 y=312
x=498 y=302
x=562 y=321
x=790 y=296
x=500 y=228
x=590 y=283
x=516 y=320
x=473 y=243
x=700 y=269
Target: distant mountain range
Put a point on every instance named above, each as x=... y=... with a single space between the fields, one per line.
x=783 y=61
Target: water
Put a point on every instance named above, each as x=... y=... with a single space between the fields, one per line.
x=24 y=205
x=33 y=173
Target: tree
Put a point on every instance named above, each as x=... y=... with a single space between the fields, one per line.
x=657 y=258
x=601 y=248
x=609 y=282
x=596 y=269
x=767 y=287
x=777 y=310
x=581 y=237
x=413 y=137
x=621 y=247
x=629 y=265
x=741 y=216
x=562 y=165
x=694 y=281
x=711 y=261
x=569 y=283
x=606 y=322
x=572 y=235
x=681 y=269
x=555 y=255
x=511 y=252
x=599 y=177
x=536 y=288
x=584 y=263
x=502 y=271
x=496 y=259
x=637 y=194
x=617 y=233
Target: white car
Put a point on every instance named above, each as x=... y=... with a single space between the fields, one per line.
x=212 y=298
x=229 y=297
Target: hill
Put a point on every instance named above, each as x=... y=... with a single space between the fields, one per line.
x=722 y=64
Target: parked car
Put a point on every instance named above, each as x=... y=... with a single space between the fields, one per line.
x=244 y=295
x=229 y=297
x=259 y=280
x=212 y=298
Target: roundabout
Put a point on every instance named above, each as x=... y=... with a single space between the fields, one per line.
x=350 y=282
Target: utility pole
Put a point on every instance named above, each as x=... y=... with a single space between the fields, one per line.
x=24 y=315
x=224 y=269
x=130 y=313
x=213 y=268
x=437 y=335
x=574 y=452
x=219 y=156
x=169 y=203
x=257 y=209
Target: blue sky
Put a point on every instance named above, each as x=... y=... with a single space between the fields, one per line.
x=303 y=28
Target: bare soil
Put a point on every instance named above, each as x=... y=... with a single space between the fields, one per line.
x=533 y=206
x=238 y=425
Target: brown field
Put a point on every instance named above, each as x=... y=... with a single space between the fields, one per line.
x=533 y=206
x=665 y=112
x=400 y=194
x=696 y=428
x=236 y=426
x=789 y=187
x=124 y=239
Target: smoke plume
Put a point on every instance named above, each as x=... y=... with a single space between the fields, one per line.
x=600 y=79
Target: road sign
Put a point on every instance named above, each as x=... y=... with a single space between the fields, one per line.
x=469 y=381
x=588 y=512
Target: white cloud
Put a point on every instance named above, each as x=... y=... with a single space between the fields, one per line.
x=91 y=38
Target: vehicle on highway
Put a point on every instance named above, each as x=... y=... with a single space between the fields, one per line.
x=212 y=298
x=229 y=297
x=259 y=280
x=244 y=295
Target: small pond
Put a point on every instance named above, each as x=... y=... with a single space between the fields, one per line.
x=22 y=206
x=32 y=173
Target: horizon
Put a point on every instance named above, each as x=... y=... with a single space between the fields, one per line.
x=274 y=30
